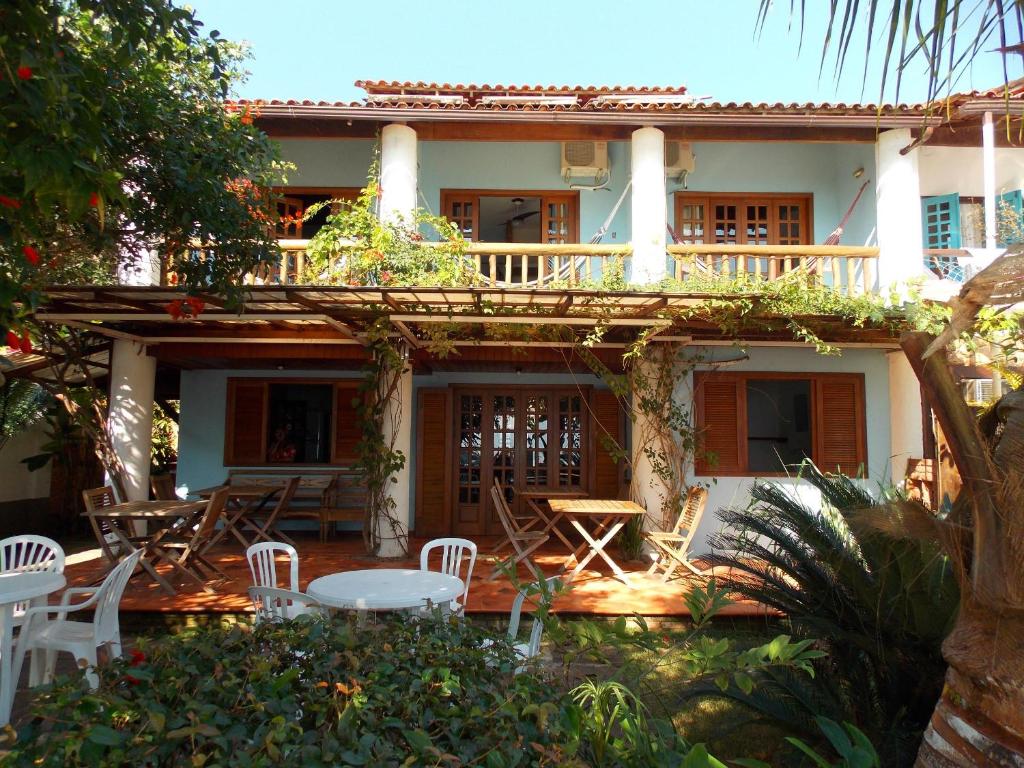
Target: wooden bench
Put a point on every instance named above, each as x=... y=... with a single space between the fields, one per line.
x=327 y=495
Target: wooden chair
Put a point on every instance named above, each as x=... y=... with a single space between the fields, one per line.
x=672 y=547
x=98 y=498
x=270 y=518
x=522 y=521
x=182 y=546
x=524 y=542
x=163 y=488
x=453 y=553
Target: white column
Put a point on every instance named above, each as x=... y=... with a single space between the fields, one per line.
x=130 y=421
x=898 y=201
x=395 y=542
x=906 y=422
x=988 y=160
x=649 y=218
x=647 y=488
x=397 y=172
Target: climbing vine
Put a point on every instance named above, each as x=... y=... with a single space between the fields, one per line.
x=378 y=406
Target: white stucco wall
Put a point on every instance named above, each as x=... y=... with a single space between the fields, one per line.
x=945 y=170
x=873 y=363
x=16 y=482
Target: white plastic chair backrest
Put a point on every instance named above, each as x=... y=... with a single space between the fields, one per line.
x=108 y=599
x=262 y=559
x=31 y=553
x=533 y=646
x=453 y=552
x=273 y=604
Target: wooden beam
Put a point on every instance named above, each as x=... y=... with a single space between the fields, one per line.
x=391 y=302
x=563 y=305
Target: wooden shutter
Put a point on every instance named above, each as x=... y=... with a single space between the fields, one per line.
x=433 y=462
x=606 y=422
x=721 y=417
x=347 y=433
x=840 y=433
x=245 y=436
x=1009 y=210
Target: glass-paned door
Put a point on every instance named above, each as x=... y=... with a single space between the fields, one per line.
x=525 y=439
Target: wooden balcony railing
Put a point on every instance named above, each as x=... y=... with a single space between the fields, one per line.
x=848 y=269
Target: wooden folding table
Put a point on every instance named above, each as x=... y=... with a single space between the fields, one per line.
x=608 y=516
x=243 y=499
x=535 y=500
x=167 y=515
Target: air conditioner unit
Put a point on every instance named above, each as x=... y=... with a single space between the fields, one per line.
x=585 y=159
x=679 y=158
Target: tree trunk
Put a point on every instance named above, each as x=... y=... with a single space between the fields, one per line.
x=979 y=720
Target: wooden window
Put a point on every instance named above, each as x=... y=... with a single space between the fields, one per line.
x=755 y=423
x=292 y=203
x=941 y=215
x=433 y=494
x=559 y=211
x=290 y=421
x=570 y=441
x=743 y=218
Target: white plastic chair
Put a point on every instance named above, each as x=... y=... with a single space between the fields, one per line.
x=20 y=554
x=453 y=553
x=531 y=648
x=79 y=638
x=262 y=559
x=272 y=604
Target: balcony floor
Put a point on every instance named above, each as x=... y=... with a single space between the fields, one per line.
x=594 y=592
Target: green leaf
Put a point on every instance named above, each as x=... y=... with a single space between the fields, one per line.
x=102 y=734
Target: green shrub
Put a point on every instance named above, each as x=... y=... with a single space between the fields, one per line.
x=308 y=693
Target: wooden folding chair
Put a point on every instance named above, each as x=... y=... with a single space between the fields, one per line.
x=524 y=542
x=672 y=547
x=110 y=544
x=269 y=531
x=182 y=546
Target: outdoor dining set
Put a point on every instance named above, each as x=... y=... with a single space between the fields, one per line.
x=138 y=536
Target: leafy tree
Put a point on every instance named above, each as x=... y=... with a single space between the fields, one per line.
x=115 y=144
x=22 y=404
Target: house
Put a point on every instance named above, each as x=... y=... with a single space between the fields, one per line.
x=531 y=175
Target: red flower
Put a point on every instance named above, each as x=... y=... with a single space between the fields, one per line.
x=24 y=73
x=131 y=680
x=9 y=202
x=138 y=657
x=174 y=309
x=385 y=277
x=196 y=305
x=12 y=340
x=94 y=199
x=31 y=254
x=26 y=343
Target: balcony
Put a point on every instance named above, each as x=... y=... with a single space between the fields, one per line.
x=848 y=269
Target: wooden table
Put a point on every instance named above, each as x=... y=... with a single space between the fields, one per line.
x=608 y=516
x=535 y=500
x=242 y=499
x=168 y=516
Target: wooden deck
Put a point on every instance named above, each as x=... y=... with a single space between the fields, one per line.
x=594 y=592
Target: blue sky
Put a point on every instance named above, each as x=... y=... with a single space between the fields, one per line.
x=315 y=49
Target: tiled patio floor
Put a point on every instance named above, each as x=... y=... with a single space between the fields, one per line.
x=593 y=592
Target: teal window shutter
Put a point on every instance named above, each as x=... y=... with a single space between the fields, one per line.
x=941 y=218
x=1010 y=205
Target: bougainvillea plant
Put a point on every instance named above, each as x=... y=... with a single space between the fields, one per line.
x=115 y=145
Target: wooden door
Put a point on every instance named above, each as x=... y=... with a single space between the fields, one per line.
x=559 y=218
x=463 y=210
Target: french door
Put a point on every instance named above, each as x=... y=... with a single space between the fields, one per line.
x=559 y=212
x=527 y=438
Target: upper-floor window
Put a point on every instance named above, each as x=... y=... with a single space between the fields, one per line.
x=743 y=218
x=293 y=202
x=511 y=216
x=954 y=221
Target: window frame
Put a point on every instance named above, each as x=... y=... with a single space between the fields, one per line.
x=817 y=416
x=340 y=193
x=231 y=450
x=741 y=199
x=454 y=195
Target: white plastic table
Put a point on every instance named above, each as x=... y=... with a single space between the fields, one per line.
x=385 y=589
x=15 y=588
